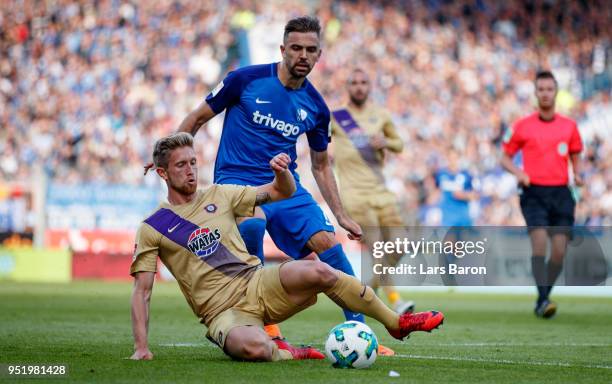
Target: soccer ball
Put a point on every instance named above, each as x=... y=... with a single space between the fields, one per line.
x=351 y=345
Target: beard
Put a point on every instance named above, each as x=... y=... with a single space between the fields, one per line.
x=293 y=71
x=546 y=105
x=185 y=188
x=358 y=101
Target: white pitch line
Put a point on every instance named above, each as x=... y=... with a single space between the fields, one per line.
x=430 y=345
x=483 y=344
x=470 y=359
x=187 y=345
x=503 y=361
x=509 y=344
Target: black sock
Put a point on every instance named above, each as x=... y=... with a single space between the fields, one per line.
x=554 y=270
x=538 y=268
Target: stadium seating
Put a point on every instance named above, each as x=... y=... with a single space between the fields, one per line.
x=86 y=88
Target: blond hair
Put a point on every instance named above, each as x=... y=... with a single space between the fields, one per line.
x=165 y=145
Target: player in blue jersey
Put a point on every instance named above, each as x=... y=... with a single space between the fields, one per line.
x=457 y=188
x=267 y=107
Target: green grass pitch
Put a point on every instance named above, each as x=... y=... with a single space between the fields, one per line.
x=485 y=338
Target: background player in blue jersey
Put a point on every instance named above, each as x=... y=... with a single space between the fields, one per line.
x=457 y=188
x=267 y=107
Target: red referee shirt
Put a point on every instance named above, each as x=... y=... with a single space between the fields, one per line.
x=546 y=147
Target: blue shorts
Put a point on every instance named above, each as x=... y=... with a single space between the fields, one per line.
x=292 y=222
x=456 y=221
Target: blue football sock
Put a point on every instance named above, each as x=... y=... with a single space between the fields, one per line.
x=336 y=258
x=252 y=232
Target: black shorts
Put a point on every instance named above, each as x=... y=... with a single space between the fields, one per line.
x=547 y=206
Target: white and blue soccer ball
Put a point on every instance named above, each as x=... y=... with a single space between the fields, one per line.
x=351 y=344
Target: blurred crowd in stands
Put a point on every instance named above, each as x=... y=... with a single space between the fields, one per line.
x=87 y=87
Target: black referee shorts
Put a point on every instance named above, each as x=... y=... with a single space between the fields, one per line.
x=547 y=206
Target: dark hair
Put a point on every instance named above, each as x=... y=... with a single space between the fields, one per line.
x=302 y=24
x=357 y=70
x=545 y=75
x=165 y=145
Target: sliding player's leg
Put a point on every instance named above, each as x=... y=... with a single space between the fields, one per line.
x=239 y=332
x=325 y=245
x=302 y=280
x=253 y=344
x=253 y=230
x=299 y=227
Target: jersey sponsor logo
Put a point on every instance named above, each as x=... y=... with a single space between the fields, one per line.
x=203 y=241
x=259 y=101
x=210 y=208
x=452 y=183
x=282 y=126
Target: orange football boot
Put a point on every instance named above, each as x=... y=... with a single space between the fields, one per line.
x=385 y=351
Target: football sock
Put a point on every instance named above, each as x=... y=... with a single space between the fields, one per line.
x=273 y=330
x=349 y=293
x=554 y=270
x=336 y=258
x=393 y=296
x=252 y=232
x=538 y=268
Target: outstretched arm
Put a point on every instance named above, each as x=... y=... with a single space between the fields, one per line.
x=192 y=123
x=324 y=176
x=197 y=118
x=283 y=185
x=141 y=298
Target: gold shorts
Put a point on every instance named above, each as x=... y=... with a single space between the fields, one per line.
x=264 y=302
x=369 y=214
x=381 y=220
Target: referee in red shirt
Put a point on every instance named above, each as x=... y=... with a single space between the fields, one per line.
x=548 y=140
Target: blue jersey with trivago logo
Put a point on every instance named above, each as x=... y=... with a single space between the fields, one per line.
x=264 y=118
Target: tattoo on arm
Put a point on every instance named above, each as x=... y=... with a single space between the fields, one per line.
x=262 y=198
